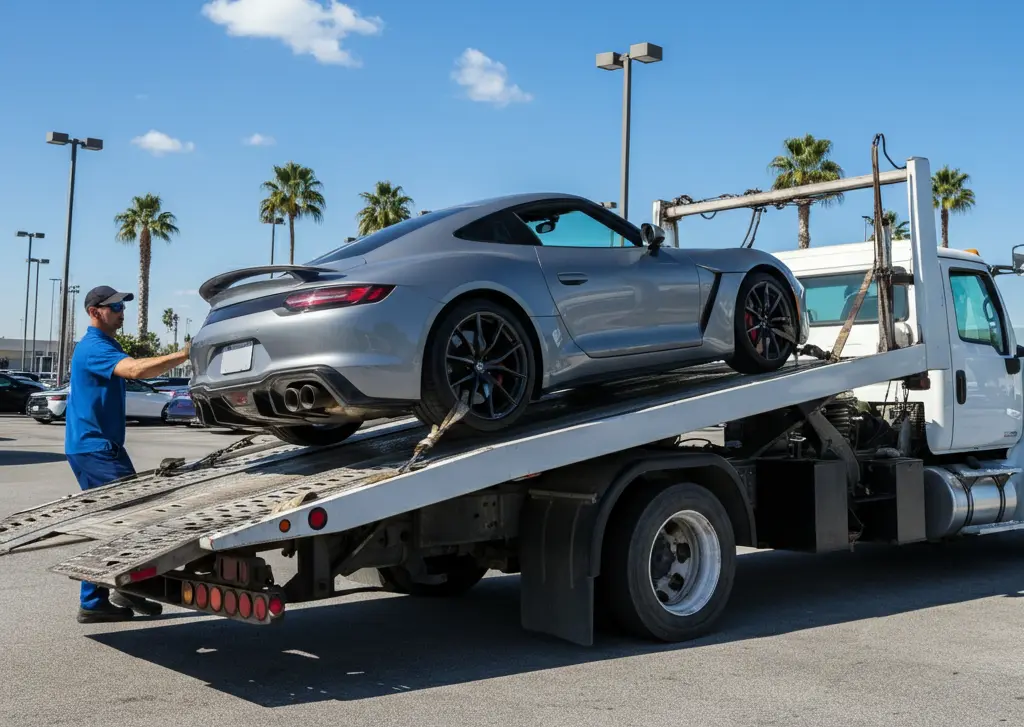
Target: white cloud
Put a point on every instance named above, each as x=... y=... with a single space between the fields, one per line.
x=314 y=27
x=259 y=140
x=158 y=143
x=486 y=80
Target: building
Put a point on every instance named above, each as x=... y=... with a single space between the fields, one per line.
x=45 y=358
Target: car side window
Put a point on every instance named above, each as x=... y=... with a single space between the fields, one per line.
x=135 y=386
x=569 y=226
x=5 y=383
x=978 y=315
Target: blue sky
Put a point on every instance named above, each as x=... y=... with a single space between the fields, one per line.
x=374 y=94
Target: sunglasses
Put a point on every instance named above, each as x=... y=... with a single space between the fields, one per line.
x=116 y=307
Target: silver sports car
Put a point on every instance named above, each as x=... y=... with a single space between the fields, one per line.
x=493 y=303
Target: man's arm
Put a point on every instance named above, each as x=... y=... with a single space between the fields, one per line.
x=146 y=368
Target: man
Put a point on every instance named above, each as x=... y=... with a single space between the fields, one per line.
x=95 y=426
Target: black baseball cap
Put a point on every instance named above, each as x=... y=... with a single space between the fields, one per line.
x=105 y=295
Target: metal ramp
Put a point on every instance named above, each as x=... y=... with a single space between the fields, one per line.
x=169 y=521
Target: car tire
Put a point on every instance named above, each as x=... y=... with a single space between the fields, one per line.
x=755 y=352
x=438 y=398
x=316 y=435
x=637 y=553
x=459 y=578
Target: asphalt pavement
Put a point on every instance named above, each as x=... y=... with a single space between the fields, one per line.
x=924 y=635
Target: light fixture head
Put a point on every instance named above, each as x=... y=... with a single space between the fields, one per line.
x=57 y=137
x=609 y=61
x=645 y=52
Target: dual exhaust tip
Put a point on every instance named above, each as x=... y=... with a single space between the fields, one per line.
x=307 y=397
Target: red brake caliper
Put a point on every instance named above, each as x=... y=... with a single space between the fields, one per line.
x=748 y=319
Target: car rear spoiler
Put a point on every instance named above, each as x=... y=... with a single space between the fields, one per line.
x=220 y=283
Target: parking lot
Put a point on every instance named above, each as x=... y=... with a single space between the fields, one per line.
x=923 y=635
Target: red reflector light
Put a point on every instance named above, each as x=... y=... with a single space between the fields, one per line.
x=260 y=607
x=317 y=518
x=216 y=599
x=57 y=398
x=276 y=606
x=238 y=398
x=141 y=575
x=230 y=603
x=337 y=296
x=245 y=605
x=202 y=595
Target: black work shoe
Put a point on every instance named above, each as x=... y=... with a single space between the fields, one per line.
x=139 y=605
x=104 y=613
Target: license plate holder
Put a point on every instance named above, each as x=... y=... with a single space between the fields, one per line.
x=236 y=358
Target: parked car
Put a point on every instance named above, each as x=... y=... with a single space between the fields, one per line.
x=497 y=301
x=182 y=409
x=168 y=383
x=15 y=392
x=142 y=403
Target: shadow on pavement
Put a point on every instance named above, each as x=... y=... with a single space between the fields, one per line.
x=16 y=456
x=369 y=648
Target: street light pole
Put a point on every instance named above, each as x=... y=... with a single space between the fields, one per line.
x=28 y=286
x=61 y=139
x=49 y=339
x=611 y=61
x=35 y=307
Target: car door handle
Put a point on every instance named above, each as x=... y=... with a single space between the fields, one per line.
x=961 y=387
x=572 y=278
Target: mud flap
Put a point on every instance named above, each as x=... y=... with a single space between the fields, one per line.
x=557 y=582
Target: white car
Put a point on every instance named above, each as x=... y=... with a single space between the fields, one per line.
x=142 y=403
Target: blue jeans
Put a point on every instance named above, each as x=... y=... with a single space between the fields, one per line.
x=94 y=469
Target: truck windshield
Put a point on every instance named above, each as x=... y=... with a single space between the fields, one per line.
x=830 y=299
x=371 y=242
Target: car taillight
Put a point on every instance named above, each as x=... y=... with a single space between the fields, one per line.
x=337 y=296
x=57 y=397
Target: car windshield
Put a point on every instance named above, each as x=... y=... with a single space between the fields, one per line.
x=371 y=242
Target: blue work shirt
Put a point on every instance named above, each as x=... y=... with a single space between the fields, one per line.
x=95 y=416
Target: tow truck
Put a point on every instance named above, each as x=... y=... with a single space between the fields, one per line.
x=604 y=500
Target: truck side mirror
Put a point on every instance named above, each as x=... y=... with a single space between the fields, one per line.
x=1018 y=259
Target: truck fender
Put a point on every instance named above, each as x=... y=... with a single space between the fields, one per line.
x=563 y=522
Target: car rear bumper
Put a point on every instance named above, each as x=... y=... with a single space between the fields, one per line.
x=261 y=400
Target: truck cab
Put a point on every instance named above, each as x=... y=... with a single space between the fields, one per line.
x=976 y=405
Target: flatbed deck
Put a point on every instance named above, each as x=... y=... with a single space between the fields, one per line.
x=170 y=518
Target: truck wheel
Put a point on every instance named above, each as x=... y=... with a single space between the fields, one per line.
x=462 y=576
x=669 y=562
x=316 y=435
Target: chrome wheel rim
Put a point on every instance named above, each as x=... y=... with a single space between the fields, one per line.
x=486 y=358
x=767 y=320
x=685 y=561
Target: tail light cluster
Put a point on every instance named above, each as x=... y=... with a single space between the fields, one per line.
x=337 y=296
x=57 y=397
x=240 y=594
x=251 y=606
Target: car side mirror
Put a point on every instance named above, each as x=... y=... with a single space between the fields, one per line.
x=652 y=236
x=1020 y=351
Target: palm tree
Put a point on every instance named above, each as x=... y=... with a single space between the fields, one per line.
x=806 y=162
x=900 y=229
x=385 y=206
x=950 y=195
x=143 y=221
x=294 y=192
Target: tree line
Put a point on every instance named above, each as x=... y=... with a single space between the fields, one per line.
x=294 y=193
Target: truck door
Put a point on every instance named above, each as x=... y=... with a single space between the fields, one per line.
x=987 y=396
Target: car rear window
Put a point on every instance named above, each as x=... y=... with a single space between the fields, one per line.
x=371 y=242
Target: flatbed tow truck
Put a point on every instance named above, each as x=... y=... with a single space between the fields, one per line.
x=598 y=498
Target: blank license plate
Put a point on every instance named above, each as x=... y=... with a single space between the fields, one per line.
x=236 y=358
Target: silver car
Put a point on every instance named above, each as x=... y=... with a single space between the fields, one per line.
x=495 y=303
